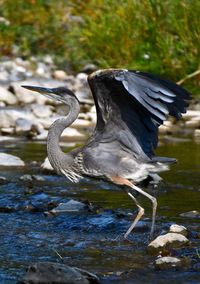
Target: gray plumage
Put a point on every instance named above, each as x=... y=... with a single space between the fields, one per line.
x=130 y=107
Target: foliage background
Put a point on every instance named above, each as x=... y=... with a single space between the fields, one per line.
x=153 y=35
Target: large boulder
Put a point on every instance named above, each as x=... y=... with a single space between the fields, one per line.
x=56 y=273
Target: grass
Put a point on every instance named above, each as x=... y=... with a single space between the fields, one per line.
x=153 y=35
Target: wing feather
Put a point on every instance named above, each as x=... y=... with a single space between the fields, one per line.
x=131 y=105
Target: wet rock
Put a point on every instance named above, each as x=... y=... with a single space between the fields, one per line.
x=7 y=97
x=191 y=214
x=178 y=229
x=56 y=273
x=70 y=206
x=7 y=209
x=23 y=126
x=172 y=240
x=7 y=160
x=3 y=180
x=169 y=262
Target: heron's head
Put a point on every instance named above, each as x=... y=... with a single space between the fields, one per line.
x=61 y=94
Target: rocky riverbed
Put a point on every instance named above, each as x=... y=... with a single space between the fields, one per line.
x=26 y=114
x=49 y=224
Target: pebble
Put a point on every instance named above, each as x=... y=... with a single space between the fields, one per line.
x=172 y=240
x=50 y=273
x=7 y=160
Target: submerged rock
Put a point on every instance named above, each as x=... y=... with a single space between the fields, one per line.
x=169 y=262
x=70 y=206
x=7 y=160
x=172 y=240
x=56 y=273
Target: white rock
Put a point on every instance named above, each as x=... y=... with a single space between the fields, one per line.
x=169 y=239
x=7 y=96
x=23 y=125
x=46 y=165
x=167 y=262
x=26 y=96
x=191 y=113
x=41 y=111
x=82 y=124
x=174 y=228
x=71 y=134
x=7 y=160
x=8 y=116
x=60 y=75
x=193 y=123
x=7 y=138
x=41 y=136
x=8 y=130
x=46 y=122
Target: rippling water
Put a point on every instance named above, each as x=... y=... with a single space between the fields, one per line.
x=87 y=239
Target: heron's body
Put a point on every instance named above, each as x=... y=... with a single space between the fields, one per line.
x=130 y=107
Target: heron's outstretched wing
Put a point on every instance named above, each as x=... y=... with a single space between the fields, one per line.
x=131 y=105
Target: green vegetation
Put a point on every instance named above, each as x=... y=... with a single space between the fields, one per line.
x=153 y=35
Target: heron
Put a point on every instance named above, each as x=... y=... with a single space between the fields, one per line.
x=130 y=107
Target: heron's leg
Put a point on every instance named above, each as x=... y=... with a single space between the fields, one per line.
x=137 y=218
x=154 y=202
x=123 y=181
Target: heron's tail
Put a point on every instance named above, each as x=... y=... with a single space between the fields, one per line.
x=163 y=160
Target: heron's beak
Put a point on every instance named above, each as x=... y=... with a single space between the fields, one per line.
x=47 y=92
x=40 y=90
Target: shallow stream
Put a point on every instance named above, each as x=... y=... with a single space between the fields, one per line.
x=89 y=239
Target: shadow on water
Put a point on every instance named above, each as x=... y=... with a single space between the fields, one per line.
x=87 y=239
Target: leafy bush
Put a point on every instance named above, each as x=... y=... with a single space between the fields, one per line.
x=153 y=35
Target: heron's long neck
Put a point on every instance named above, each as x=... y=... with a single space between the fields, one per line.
x=56 y=156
